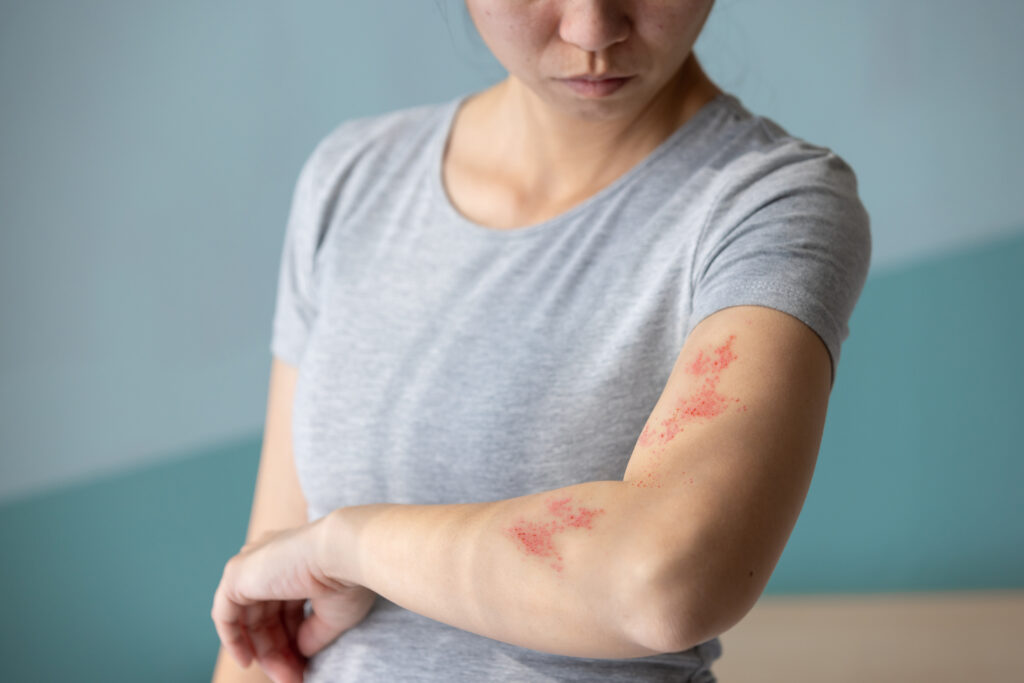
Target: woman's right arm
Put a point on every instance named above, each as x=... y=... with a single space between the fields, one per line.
x=278 y=502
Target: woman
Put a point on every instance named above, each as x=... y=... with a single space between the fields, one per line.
x=559 y=354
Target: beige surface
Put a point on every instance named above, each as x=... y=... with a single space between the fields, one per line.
x=926 y=637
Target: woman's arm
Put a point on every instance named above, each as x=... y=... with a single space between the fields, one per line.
x=668 y=558
x=278 y=502
x=564 y=571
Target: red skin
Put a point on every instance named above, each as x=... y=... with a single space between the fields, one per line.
x=538 y=538
x=704 y=403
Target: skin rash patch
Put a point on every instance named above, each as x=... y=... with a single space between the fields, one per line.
x=703 y=403
x=538 y=538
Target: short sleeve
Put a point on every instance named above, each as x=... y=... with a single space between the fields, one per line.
x=788 y=231
x=296 y=304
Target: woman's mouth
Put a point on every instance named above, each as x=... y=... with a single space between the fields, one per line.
x=591 y=88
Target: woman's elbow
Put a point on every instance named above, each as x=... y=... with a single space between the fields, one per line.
x=675 y=606
x=659 y=612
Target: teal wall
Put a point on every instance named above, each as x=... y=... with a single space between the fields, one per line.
x=114 y=581
x=917 y=488
x=918 y=482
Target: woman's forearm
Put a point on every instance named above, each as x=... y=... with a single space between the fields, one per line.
x=576 y=571
x=227 y=670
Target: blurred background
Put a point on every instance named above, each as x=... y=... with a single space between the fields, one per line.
x=148 y=151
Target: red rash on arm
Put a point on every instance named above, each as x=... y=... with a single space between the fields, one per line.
x=703 y=403
x=538 y=538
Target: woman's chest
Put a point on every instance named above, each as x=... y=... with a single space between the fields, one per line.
x=436 y=373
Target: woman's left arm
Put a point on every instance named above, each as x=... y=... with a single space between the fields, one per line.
x=670 y=557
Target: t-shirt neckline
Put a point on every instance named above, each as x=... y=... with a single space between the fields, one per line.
x=454 y=217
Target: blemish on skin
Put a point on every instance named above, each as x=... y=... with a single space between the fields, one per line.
x=703 y=403
x=559 y=506
x=750 y=574
x=646 y=436
x=720 y=360
x=649 y=481
x=538 y=538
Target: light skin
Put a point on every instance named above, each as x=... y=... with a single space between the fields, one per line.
x=670 y=556
x=529 y=147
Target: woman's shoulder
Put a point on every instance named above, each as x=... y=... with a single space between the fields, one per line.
x=367 y=135
x=360 y=151
x=762 y=170
x=760 y=153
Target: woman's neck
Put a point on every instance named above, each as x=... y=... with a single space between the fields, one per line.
x=558 y=157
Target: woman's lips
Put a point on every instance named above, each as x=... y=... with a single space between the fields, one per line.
x=595 y=88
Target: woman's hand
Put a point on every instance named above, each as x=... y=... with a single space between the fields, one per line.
x=258 y=605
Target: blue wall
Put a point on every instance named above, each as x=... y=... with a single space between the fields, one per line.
x=917 y=488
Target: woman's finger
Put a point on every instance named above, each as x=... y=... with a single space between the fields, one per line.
x=228 y=621
x=293 y=614
x=273 y=649
x=259 y=620
x=292 y=663
x=314 y=634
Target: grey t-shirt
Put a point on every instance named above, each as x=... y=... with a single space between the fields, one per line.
x=442 y=361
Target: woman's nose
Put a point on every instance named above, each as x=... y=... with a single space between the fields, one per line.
x=594 y=25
